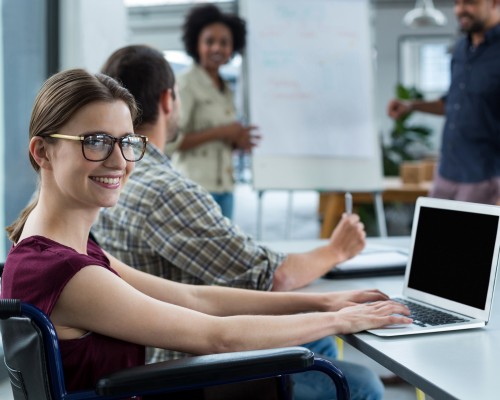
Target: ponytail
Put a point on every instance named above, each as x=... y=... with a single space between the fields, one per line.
x=16 y=228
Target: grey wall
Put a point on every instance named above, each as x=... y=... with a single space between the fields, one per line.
x=23 y=35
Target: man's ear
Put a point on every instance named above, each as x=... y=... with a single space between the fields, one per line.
x=39 y=152
x=166 y=100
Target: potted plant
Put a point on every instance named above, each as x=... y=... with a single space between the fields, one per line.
x=407 y=141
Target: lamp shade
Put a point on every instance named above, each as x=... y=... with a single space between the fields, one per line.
x=424 y=14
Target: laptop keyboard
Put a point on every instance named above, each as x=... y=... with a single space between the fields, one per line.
x=424 y=316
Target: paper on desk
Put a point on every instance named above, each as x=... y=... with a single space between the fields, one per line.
x=376 y=258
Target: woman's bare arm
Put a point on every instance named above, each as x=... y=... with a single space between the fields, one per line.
x=224 y=301
x=97 y=300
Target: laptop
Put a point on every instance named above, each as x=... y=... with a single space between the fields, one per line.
x=452 y=265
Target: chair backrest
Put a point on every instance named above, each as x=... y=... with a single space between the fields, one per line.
x=24 y=359
x=31 y=351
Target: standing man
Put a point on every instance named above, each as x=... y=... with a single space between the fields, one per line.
x=469 y=166
x=169 y=226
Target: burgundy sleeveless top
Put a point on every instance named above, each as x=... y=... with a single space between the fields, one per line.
x=36 y=271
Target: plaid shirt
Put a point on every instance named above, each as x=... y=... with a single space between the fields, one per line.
x=169 y=226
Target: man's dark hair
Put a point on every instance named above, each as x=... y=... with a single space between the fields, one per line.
x=200 y=17
x=145 y=72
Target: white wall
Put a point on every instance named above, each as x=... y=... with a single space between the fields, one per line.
x=90 y=31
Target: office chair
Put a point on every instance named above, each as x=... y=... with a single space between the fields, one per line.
x=34 y=363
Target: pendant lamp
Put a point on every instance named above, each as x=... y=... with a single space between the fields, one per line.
x=424 y=14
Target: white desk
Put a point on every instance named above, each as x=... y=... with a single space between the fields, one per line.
x=450 y=365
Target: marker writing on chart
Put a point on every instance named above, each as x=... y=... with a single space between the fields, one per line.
x=348 y=203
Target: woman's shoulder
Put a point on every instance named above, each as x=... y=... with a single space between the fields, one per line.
x=41 y=255
x=38 y=268
x=192 y=71
x=45 y=246
x=186 y=76
x=192 y=78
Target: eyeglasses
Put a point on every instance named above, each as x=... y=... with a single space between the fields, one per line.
x=99 y=146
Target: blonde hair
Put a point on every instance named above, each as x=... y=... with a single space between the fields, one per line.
x=60 y=97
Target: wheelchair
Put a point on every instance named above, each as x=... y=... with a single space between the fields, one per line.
x=35 y=369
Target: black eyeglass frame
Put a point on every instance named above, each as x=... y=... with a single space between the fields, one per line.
x=115 y=140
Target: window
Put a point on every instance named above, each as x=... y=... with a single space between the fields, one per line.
x=424 y=63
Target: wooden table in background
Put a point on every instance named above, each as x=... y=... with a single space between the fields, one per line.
x=332 y=204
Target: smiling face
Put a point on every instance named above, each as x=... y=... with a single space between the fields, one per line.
x=215 y=46
x=476 y=16
x=86 y=183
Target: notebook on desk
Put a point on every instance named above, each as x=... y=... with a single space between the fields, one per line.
x=452 y=265
x=374 y=260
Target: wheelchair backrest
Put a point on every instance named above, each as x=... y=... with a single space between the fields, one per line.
x=25 y=359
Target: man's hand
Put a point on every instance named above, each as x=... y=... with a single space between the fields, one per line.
x=348 y=237
x=397 y=109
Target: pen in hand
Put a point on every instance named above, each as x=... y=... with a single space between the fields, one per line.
x=348 y=203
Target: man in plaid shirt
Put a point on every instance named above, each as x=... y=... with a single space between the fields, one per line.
x=169 y=226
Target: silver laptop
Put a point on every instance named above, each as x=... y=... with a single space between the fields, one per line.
x=453 y=260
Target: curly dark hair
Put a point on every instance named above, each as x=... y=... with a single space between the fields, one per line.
x=201 y=16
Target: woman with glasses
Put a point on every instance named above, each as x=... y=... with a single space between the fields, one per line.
x=83 y=146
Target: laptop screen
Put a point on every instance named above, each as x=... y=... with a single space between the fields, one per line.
x=453 y=255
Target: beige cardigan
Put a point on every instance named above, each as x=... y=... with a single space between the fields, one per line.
x=203 y=106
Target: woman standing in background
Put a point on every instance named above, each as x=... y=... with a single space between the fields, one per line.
x=209 y=126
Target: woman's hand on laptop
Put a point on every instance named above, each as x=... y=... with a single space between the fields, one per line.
x=372 y=315
x=338 y=300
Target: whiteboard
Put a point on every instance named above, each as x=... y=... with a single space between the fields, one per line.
x=309 y=83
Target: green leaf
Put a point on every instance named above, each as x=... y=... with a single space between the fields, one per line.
x=403 y=135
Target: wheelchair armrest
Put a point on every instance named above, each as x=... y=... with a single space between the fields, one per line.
x=206 y=370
